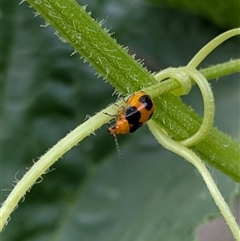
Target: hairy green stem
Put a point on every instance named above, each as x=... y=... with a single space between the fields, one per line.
x=113 y=62
x=42 y=165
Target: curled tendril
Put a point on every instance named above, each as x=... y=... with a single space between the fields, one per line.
x=185 y=75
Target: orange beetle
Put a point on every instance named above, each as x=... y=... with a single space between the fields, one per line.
x=139 y=109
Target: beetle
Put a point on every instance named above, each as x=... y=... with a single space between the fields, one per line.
x=138 y=110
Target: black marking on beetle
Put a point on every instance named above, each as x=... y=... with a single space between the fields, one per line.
x=146 y=100
x=132 y=115
x=135 y=127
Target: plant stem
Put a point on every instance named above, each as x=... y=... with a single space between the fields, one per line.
x=208 y=48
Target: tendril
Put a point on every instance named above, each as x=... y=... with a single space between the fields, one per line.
x=184 y=76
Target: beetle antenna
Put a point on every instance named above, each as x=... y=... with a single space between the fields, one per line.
x=118 y=149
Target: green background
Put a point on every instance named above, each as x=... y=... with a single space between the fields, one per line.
x=45 y=93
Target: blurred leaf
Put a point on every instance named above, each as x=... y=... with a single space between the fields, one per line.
x=89 y=194
x=223 y=13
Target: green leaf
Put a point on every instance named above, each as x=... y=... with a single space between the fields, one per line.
x=45 y=93
x=223 y=13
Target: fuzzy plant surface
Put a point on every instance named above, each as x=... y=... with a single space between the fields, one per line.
x=45 y=93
